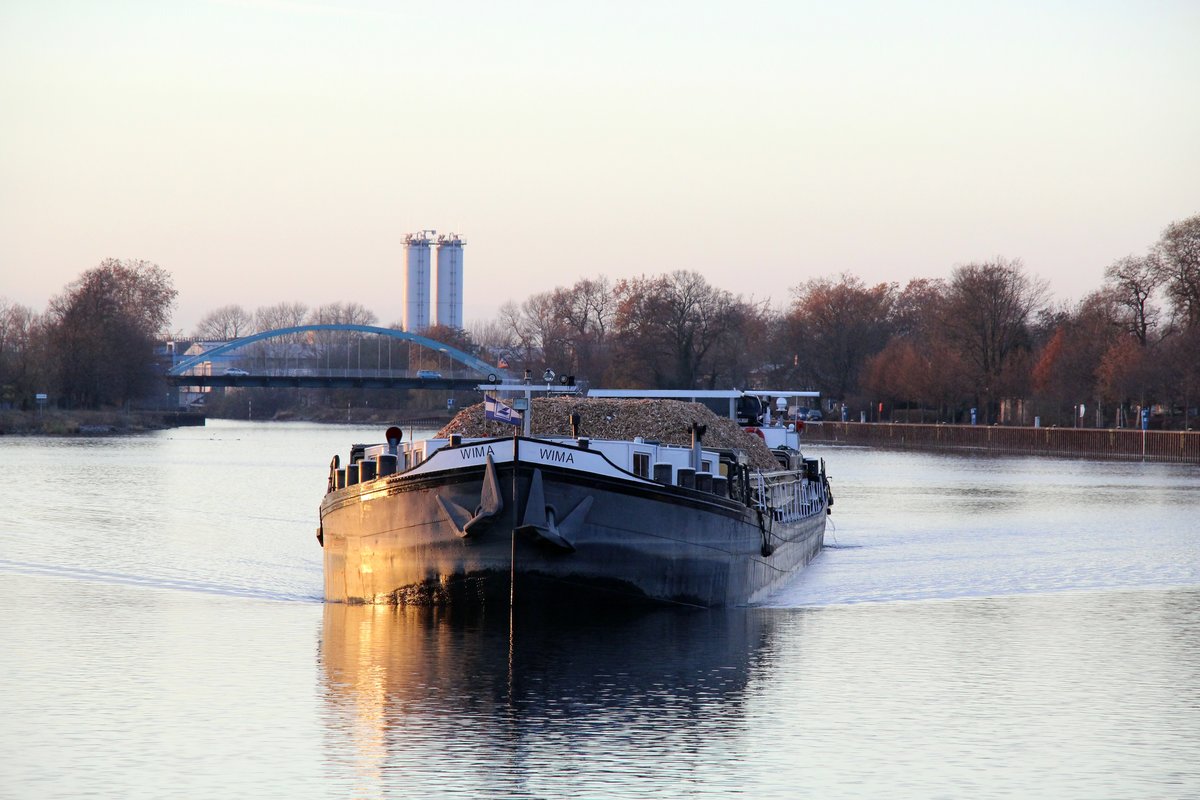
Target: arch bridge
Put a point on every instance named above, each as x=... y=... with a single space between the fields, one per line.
x=183 y=373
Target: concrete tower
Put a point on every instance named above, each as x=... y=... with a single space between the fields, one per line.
x=449 y=281
x=416 y=281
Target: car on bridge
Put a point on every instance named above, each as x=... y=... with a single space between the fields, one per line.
x=428 y=374
x=236 y=371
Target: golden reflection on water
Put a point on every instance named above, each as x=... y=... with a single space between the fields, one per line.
x=412 y=690
x=172 y=648
x=372 y=657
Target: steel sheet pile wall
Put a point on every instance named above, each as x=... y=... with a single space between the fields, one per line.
x=1124 y=444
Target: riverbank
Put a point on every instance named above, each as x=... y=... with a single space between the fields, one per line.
x=353 y=416
x=53 y=422
x=1109 y=444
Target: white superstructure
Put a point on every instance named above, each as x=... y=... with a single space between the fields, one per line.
x=449 y=281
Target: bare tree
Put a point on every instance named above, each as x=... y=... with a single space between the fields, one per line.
x=1131 y=282
x=986 y=317
x=669 y=328
x=338 y=346
x=746 y=348
x=525 y=342
x=497 y=341
x=280 y=315
x=566 y=329
x=834 y=327
x=585 y=312
x=457 y=338
x=274 y=317
x=541 y=324
x=20 y=365
x=224 y=323
x=1180 y=261
x=342 y=314
x=341 y=349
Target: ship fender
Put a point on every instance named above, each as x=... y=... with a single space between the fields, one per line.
x=828 y=491
x=491 y=503
x=332 y=483
x=764 y=528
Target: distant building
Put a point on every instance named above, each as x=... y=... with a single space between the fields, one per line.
x=418 y=287
x=449 y=281
x=416 y=281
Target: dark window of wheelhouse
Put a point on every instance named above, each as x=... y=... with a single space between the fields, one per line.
x=641 y=464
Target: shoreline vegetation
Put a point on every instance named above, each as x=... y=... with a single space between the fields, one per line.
x=986 y=344
x=111 y=422
x=84 y=422
x=1097 y=444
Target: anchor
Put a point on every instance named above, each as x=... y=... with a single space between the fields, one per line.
x=541 y=520
x=490 y=504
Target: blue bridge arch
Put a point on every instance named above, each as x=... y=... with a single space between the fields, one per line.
x=454 y=353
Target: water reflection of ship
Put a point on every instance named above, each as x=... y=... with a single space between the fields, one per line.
x=409 y=688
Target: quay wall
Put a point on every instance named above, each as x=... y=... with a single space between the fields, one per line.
x=1100 y=443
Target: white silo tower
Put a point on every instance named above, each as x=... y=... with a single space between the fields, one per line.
x=416 y=281
x=450 y=281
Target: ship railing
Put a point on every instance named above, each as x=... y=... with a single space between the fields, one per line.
x=785 y=496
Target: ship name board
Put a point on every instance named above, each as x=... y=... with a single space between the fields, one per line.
x=557 y=456
x=477 y=452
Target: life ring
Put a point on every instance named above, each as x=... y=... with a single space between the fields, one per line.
x=758 y=431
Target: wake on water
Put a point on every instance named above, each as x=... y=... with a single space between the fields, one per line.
x=177 y=584
x=974 y=561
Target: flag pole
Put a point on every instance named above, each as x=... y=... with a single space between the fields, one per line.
x=512 y=559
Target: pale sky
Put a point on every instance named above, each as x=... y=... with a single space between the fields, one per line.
x=279 y=150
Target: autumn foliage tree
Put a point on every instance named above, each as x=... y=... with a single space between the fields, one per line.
x=934 y=349
x=671 y=329
x=985 y=318
x=102 y=330
x=834 y=327
x=897 y=374
x=1065 y=373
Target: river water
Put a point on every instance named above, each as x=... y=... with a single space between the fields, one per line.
x=978 y=627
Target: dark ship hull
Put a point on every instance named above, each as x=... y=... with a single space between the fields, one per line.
x=533 y=521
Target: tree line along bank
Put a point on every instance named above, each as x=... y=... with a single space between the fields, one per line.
x=989 y=338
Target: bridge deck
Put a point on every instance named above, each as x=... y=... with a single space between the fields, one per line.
x=368 y=381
